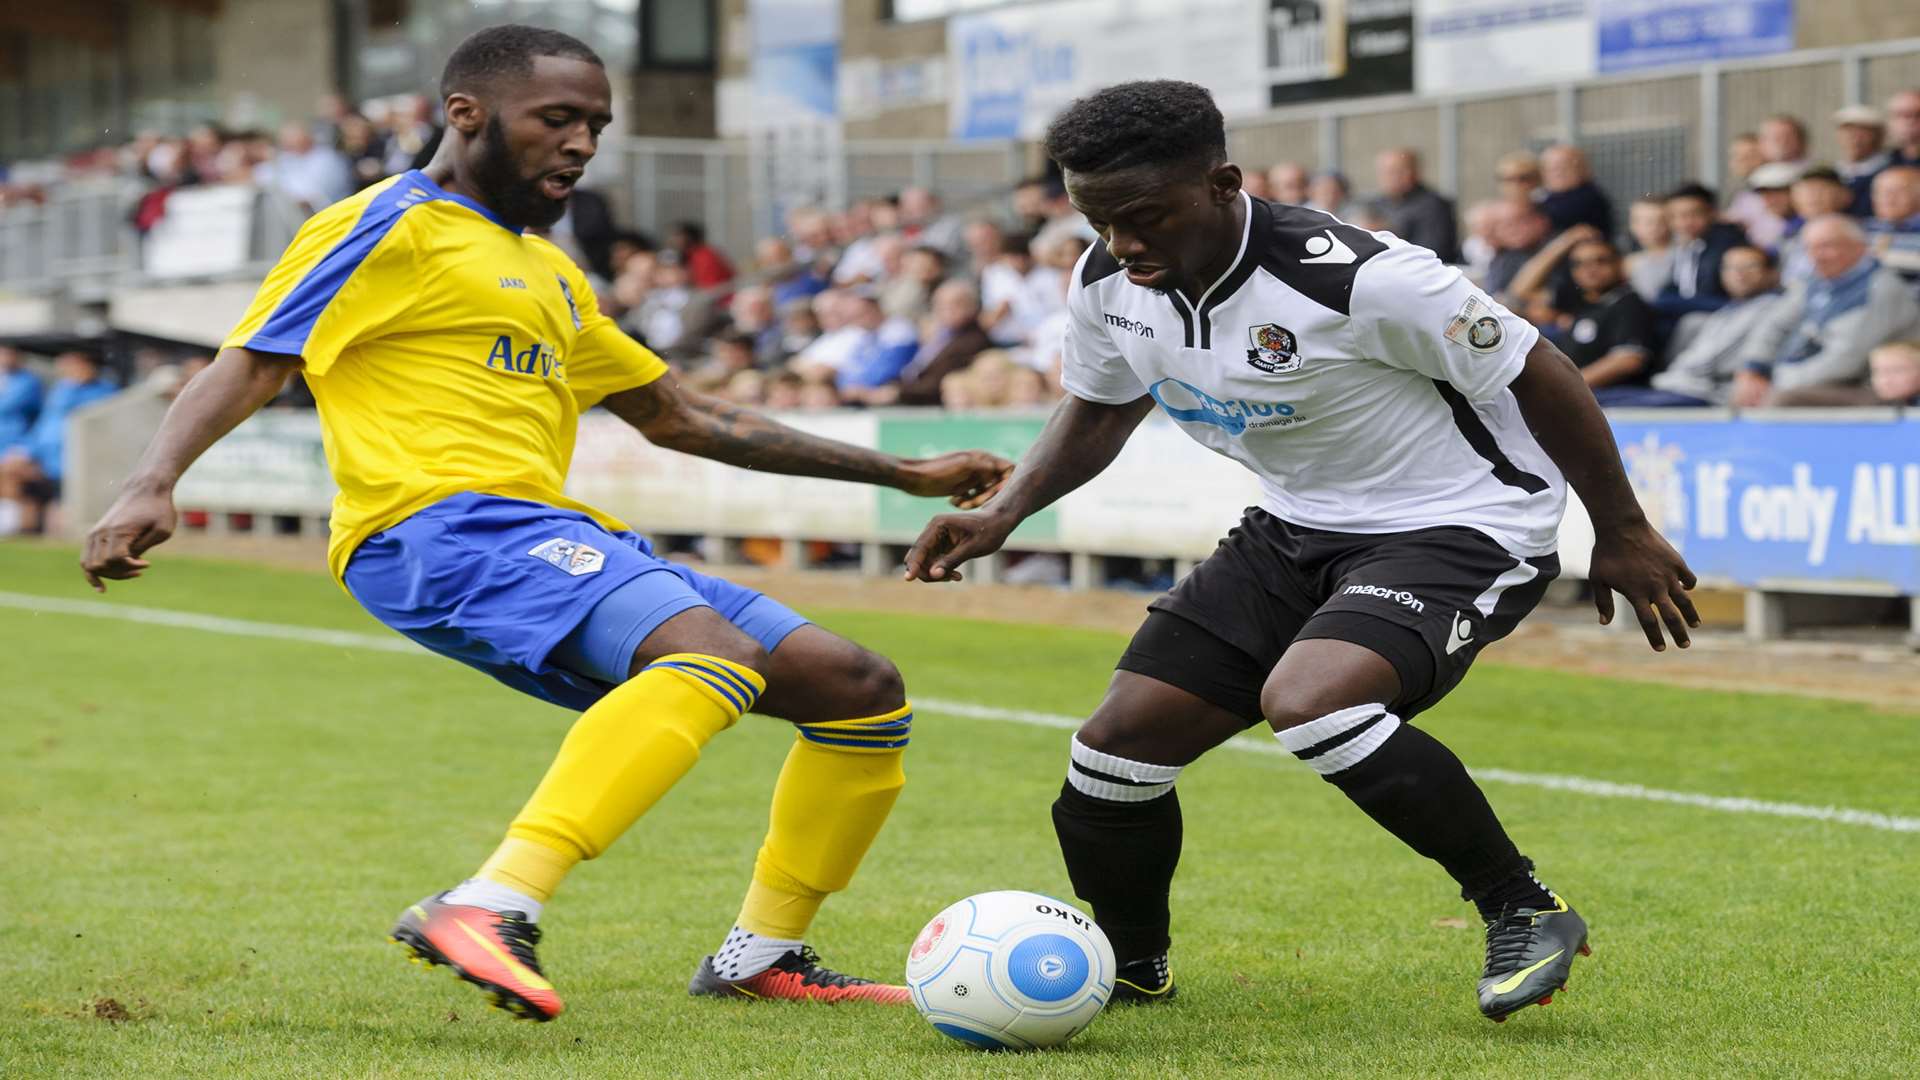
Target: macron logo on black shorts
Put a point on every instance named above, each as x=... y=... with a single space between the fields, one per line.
x=1398 y=596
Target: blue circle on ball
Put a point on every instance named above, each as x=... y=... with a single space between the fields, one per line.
x=1048 y=967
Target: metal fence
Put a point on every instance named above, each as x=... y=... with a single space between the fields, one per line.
x=1644 y=133
x=78 y=243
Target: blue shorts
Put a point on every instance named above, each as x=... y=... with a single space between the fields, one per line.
x=543 y=599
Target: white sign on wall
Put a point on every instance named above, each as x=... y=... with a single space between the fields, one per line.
x=1466 y=45
x=205 y=232
x=1011 y=70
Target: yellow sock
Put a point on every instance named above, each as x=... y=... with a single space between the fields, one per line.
x=840 y=781
x=618 y=760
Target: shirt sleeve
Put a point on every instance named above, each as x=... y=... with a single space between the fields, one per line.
x=1632 y=327
x=346 y=278
x=605 y=359
x=1091 y=365
x=1414 y=312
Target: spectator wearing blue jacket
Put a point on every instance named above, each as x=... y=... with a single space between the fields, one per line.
x=1699 y=243
x=30 y=472
x=19 y=398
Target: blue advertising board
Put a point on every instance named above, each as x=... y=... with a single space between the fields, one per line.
x=1658 y=33
x=1754 y=500
x=796 y=56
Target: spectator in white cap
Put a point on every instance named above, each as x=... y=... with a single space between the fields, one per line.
x=1766 y=217
x=1860 y=131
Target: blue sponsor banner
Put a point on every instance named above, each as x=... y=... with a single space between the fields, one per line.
x=1660 y=33
x=1753 y=500
x=1006 y=67
x=796 y=57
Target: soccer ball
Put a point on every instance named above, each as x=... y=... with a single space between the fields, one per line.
x=1010 y=971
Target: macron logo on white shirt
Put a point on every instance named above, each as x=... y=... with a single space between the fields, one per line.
x=1327 y=248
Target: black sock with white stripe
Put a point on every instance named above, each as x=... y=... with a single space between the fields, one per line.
x=1119 y=827
x=1416 y=788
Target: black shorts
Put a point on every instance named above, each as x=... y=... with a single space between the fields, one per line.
x=1426 y=600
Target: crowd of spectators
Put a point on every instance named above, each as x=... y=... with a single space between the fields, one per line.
x=34 y=409
x=893 y=301
x=340 y=150
x=1800 y=287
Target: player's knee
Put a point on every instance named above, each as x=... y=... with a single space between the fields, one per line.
x=741 y=650
x=1123 y=733
x=1286 y=706
x=873 y=683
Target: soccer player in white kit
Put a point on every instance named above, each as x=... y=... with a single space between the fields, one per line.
x=1414 y=441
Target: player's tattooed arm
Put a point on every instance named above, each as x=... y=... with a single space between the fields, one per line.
x=232 y=388
x=705 y=426
x=1629 y=555
x=1080 y=440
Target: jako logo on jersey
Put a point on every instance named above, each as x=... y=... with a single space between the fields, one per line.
x=572 y=308
x=1275 y=351
x=1190 y=404
x=513 y=283
x=536 y=359
x=1131 y=326
x=1398 y=596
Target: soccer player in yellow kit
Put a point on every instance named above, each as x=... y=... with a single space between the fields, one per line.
x=451 y=355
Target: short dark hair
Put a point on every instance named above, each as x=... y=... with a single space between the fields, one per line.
x=1823 y=173
x=1693 y=189
x=507 y=50
x=1151 y=122
x=1767 y=258
x=695 y=232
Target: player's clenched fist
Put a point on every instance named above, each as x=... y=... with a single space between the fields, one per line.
x=136 y=521
x=952 y=539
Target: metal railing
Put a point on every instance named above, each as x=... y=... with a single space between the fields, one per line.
x=79 y=242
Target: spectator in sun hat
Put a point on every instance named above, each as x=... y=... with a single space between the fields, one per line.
x=1861 y=131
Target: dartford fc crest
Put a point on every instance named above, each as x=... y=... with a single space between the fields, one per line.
x=570 y=556
x=1274 y=350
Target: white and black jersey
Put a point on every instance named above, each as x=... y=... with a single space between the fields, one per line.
x=1363 y=381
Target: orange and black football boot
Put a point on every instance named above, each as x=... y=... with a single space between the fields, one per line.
x=493 y=950
x=797 y=976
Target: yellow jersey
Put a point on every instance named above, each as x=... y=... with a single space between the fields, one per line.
x=448 y=353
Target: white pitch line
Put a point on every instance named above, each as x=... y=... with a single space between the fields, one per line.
x=1579 y=785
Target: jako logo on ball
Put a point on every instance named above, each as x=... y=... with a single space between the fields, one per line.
x=1010 y=971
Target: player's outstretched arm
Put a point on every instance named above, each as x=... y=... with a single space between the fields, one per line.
x=1080 y=440
x=1629 y=556
x=705 y=426
x=232 y=388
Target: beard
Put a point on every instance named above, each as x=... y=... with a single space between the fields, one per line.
x=516 y=199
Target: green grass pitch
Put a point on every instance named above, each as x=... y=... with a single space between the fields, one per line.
x=207 y=835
